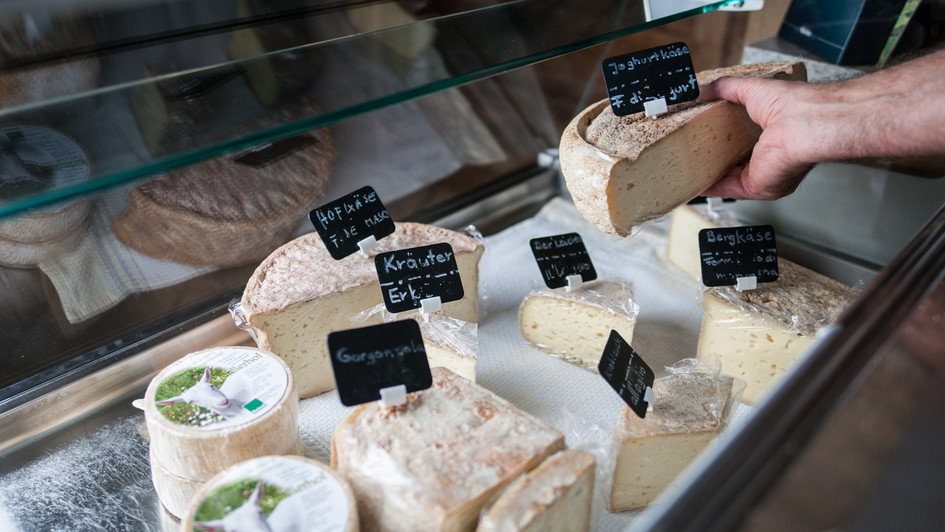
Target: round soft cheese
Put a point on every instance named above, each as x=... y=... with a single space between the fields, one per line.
x=34 y=159
x=218 y=407
x=275 y=493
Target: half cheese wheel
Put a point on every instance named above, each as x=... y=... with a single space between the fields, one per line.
x=218 y=407
x=622 y=171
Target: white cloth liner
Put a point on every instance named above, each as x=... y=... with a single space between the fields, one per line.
x=667 y=330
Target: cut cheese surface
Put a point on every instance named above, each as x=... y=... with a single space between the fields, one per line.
x=274 y=493
x=433 y=463
x=759 y=334
x=220 y=406
x=623 y=171
x=576 y=325
x=451 y=344
x=556 y=496
x=300 y=294
x=682 y=248
x=689 y=410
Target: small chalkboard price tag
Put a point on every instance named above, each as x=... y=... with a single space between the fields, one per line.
x=728 y=253
x=345 y=222
x=661 y=72
x=408 y=276
x=560 y=256
x=626 y=373
x=369 y=359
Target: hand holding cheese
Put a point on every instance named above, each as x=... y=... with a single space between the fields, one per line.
x=899 y=111
x=622 y=171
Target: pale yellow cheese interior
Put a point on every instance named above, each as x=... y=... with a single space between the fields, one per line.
x=647 y=465
x=570 y=327
x=682 y=248
x=750 y=347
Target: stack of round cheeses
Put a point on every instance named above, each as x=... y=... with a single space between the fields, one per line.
x=213 y=409
x=33 y=159
x=274 y=493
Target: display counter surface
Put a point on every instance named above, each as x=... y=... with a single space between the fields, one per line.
x=94 y=474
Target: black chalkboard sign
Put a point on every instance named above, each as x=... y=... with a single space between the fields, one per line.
x=728 y=253
x=560 y=256
x=408 y=276
x=661 y=72
x=369 y=359
x=349 y=220
x=626 y=373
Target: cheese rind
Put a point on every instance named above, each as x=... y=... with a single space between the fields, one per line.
x=260 y=417
x=297 y=494
x=575 y=325
x=689 y=411
x=299 y=294
x=433 y=463
x=556 y=496
x=759 y=334
x=623 y=171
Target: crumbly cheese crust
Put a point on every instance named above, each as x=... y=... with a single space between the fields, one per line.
x=685 y=402
x=303 y=270
x=800 y=299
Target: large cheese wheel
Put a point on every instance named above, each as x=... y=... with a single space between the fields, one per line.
x=233 y=210
x=275 y=493
x=624 y=170
x=300 y=294
x=434 y=462
x=198 y=436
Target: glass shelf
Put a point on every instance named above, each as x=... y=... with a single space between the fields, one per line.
x=181 y=116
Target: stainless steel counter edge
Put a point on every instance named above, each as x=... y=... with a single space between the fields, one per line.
x=85 y=396
x=727 y=481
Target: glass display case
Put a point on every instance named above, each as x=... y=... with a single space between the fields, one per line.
x=162 y=149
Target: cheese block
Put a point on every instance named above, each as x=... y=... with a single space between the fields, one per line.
x=274 y=493
x=682 y=247
x=230 y=211
x=300 y=294
x=556 y=496
x=433 y=462
x=220 y=406
x=575 y=325
x=274 y=72
x=759 y=334
x=623 y=171
x=450 y=343
x=689 y=411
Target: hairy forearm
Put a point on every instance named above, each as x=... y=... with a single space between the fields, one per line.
x=899 y=111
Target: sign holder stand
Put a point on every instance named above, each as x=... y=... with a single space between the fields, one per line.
x=746 y=283
x=367 y=245
x=649 y=397
x=654 y=108
x=574 y=283
x=393 y=395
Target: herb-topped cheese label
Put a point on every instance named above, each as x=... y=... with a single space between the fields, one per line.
x=221 y=387
x=627 y=373
x=560 y=256
x=408 y=276
x=730 y=253
x=369 y=359
x=344 y=223
x=274 y=493
x=661 y=72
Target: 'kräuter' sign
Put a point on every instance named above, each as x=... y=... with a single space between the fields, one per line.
x=408 y=276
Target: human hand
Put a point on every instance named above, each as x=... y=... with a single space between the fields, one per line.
x=782 y=155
